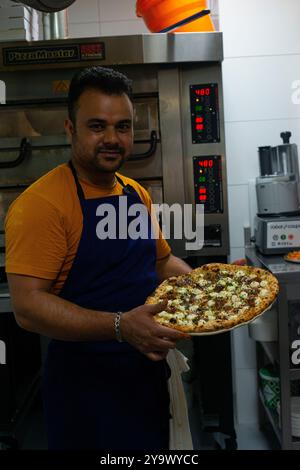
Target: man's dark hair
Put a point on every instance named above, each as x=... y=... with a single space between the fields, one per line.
x=106 y=80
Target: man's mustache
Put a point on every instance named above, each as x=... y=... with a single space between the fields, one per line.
x=118 y=149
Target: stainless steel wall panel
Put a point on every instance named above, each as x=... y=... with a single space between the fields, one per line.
x=182 y=47
x=170 y=114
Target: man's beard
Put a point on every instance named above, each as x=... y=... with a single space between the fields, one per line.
x=115 y=163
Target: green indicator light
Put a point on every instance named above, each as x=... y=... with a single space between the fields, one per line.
x=283 y=237
x=198 y=108
x=202 y=179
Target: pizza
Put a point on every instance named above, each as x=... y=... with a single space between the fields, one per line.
x=214 y=297
x=293 y=256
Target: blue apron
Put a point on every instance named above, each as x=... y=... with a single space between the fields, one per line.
x=106 y=395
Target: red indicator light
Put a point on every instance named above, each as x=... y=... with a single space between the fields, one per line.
x=202 y=190
x=203 y=198
x=199 y=119
x=291 y=237
x=199 y=127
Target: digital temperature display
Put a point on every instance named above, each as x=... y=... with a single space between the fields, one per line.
x=202 y=91
x=205 y=113
x=208 y=183
x=206 y=163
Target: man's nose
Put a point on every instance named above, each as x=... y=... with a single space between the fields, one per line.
x=110 y=135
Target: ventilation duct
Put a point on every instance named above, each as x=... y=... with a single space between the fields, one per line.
x=48 y=6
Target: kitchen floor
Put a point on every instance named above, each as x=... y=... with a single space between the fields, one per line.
x=249 y=437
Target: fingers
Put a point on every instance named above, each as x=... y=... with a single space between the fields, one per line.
x=156 y=308
x=159 y=345
x=163 y=344
x=171 y=333
x=157 y=355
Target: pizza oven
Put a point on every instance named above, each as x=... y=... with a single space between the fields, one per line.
x=179 y=152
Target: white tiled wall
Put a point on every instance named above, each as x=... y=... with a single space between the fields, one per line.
x=104 y=17
x=260 y=27
x=84 y=11
x=244 y=137
x=120 y=28
x=114 y=10
x=239 y=212
x=83 y=30
x=260 y=88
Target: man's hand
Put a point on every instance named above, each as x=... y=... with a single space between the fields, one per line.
x=152 y=339
x=240 y=262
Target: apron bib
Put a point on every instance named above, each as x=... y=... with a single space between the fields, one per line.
x=106 y=395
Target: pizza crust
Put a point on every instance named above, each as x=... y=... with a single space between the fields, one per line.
x=209 y=280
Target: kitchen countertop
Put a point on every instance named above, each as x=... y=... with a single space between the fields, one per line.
x=283 y=270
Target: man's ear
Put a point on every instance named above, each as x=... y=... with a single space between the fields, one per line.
x=69 y=129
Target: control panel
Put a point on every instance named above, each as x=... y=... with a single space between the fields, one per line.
x=205 y=113
x=283 y=234
x=208 y=183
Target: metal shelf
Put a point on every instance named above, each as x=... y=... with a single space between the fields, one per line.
x=273 y=417
x=274 y=420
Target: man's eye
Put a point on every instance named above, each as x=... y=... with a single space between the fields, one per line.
x=96 y=127
x=124 y=127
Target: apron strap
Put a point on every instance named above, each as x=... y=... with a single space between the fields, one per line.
x=127 y=189
x=78 y=186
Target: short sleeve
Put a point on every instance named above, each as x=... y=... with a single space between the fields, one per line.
x=35 y=238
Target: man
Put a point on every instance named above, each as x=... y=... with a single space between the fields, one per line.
x=105 y=378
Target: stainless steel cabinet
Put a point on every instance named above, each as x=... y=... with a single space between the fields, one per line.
x=282 y=354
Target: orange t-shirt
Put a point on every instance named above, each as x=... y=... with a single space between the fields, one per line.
x=44 y=224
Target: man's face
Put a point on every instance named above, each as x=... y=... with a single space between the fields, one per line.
x=102 y=137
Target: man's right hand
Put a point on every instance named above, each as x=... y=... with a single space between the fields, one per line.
x=139 y=329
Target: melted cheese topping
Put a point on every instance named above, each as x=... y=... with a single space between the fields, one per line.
x=220 y=296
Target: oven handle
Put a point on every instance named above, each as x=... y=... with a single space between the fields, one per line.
x=26 y=148
x=24 y=152
x=151 y=151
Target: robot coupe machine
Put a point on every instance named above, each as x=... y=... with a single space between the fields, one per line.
x=277 y=224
